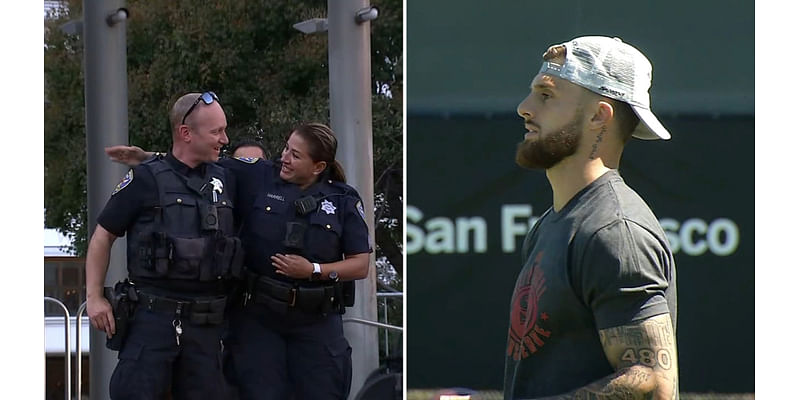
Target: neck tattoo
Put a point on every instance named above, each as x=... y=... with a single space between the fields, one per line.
x=600 y=135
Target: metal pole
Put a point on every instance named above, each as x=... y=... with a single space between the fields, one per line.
x=351 y=119
x=79 y=350
x=106 y=94
x=386 y=321
x=373 y=323
x=67 y=355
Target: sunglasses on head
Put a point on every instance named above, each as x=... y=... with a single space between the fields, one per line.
x=206 y=97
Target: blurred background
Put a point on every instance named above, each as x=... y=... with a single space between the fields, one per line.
x=469 y=63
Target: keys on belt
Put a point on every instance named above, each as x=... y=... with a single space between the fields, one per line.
x=176 y=323
x=200 y=311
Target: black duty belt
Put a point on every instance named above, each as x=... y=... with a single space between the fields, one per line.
x=281 y=296
x=201 y=311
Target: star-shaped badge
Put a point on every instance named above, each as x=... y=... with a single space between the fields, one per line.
x=217 y=185
x=328 y=207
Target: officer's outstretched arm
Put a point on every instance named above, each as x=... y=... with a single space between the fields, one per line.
x=128 y=155
x=354 y=266
x=97 y=307
x=644 y=355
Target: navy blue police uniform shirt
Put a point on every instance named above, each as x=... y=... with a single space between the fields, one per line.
x=138 y=193
x=266 y=203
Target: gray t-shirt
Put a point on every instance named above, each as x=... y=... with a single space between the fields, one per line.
x=600 y=262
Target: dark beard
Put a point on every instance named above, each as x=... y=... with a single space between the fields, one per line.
x=548 y=149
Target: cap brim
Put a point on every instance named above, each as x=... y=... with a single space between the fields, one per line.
x=649 y=128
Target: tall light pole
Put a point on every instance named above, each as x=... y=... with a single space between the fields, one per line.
x=106 y=96
x=348 y=29
x=351 y=119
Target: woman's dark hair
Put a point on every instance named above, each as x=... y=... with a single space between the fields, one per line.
x=321 y=147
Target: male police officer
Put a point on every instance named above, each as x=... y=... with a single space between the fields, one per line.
x=594 y=309
x=177 y=213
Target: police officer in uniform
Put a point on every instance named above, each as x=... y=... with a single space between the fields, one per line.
x=177 y=213
x=306 y=240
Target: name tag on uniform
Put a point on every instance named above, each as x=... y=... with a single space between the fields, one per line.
x=275 y=196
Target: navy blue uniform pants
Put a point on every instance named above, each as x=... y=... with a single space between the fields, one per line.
x=151 y=363
x=298 y=356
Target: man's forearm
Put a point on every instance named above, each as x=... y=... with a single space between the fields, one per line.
x=97 y=258
x=632 y=383
x=646 y=362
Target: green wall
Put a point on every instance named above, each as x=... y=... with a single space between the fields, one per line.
x=480 y=56
x=463 y=254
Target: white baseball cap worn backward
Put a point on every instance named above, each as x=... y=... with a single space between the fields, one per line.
x=614 y=69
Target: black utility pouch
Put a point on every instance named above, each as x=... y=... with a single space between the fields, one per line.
x=310 y=299
x=328 y=299
x=208 y=312
x=188 y=254
x=348 y=293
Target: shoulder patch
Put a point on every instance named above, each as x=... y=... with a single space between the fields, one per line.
x=126 y=180
x=249 y=160
x=360 y=209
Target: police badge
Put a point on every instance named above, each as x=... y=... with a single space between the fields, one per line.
x=217 y=184
x=328 y=207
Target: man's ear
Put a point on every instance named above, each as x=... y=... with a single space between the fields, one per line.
x=184 y=133
x=602 y=116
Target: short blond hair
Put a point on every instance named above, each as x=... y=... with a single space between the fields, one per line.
x=180 y=107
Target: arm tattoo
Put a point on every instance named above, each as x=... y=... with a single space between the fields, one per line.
x=644 y=357
x=623 y=385
x=649 y=343
x=652 y=334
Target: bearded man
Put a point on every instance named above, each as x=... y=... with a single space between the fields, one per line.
x=594 y=308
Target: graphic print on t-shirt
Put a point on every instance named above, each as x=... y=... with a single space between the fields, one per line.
x=525 y=334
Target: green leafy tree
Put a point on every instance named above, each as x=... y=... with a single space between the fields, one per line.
x=269 y=77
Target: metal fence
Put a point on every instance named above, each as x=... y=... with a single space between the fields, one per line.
x=68 y=348
x=68 y=376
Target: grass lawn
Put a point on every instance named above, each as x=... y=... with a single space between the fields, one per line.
x=433 y=394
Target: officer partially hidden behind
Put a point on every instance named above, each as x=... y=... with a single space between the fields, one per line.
x=181 y=256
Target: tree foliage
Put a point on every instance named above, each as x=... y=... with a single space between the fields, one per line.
x=269 y=78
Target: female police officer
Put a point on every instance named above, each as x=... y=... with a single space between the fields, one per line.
x=304 y=234
x=305 y=240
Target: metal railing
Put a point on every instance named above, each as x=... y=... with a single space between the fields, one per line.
x=68 y=349
x=79 y=350
x=67 y=352
x=384 y=296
